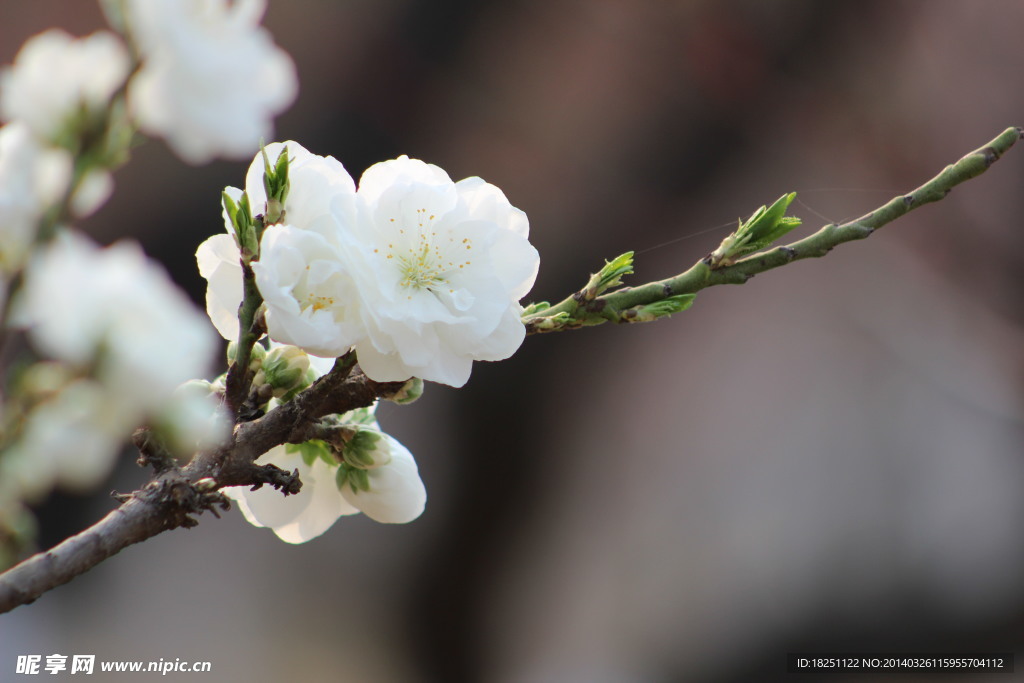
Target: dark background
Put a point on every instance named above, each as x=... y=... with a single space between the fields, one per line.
x=828 y=458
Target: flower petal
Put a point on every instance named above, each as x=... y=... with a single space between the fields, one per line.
x=396 y=494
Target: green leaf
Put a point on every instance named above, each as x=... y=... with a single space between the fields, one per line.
x=609 y=276
x=311 y=450
x=361 y=450
x=242 y=224
x=356 y=479
x=659 y=309
x=764 y=226
x=534 y=308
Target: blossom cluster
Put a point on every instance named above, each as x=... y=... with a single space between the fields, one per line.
x=112 y=337
x=411 y=273
x=417 y=274
x=124 y=343
x=372 y=473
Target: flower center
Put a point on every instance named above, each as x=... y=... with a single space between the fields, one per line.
x=318 y=303
x=427 y=260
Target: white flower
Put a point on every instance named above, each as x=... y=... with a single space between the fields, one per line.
x=310 y=297
x=420 y=274
x=55 y=76
x=116 y=310
x=70 y=440
x=212 y=79
x=32 y=178
x=393 y=493
x=440 y=268
x=218 y=259
x=195 y=418
x=316 y=182
x=300 y=517
x=80 y=298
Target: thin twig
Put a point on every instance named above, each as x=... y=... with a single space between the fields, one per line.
x=613 y=305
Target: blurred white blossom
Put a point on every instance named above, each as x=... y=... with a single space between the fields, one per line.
x=212 y=78
x=32 y=178
x=70 y=440
x=80 y=299
x=56 y=78
x=195 y=418
x=92 y=192
x=113 y=314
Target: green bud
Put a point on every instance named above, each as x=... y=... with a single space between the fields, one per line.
x=552 y=322
x=256 y=355
x=362 y=450
x=762 y=228
x=242 y=225
x=410 y=391
x=284 y=369
x=533 y=309
x=609 y=276
x=276 y=184
x=356 y=479
x=360 y=416
x=658 y=309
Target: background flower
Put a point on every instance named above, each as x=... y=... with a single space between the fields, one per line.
x=114 y=314
x=212 y=79
x=32 y=178
x=57 y=77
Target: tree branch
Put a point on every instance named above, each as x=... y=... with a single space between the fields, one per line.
x=172 y=498
x=622 y=304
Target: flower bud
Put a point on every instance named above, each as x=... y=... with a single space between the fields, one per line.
x=409 y=392
x=240 y=216
x=284 y=369
x=366 y=450
x=276 y=184
x=256 y=356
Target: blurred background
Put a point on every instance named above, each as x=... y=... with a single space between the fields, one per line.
x=826 y=459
